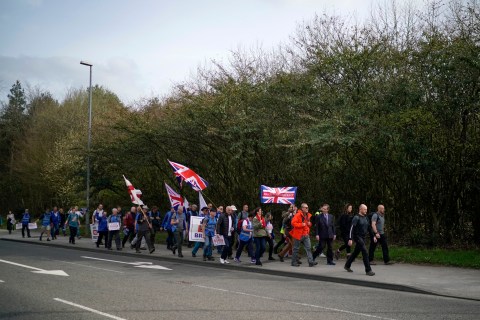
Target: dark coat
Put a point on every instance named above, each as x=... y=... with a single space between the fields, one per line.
x=222 y=224
x=324 y=229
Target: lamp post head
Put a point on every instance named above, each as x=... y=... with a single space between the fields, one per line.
x=85 y=63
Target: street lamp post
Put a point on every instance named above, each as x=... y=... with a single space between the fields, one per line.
x=87 y=214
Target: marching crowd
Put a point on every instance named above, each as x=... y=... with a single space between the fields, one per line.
x=232 y=232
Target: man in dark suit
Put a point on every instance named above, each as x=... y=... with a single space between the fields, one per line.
x=325 y=233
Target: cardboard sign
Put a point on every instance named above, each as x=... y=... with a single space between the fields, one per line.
x=114 y=226
x=218 y=240
x=94 y=232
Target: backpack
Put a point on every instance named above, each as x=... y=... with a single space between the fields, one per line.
x=239 y=225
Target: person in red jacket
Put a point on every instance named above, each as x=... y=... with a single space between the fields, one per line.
x=129 y=225
x=301 y=235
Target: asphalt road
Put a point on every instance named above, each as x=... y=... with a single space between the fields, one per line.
x=120 y=287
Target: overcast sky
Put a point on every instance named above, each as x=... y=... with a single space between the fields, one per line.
x=140 y=48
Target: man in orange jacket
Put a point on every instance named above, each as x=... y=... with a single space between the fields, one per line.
x=301 y=234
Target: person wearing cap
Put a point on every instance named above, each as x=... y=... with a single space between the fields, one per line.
x=209 y=227
x=143 y=230
x=203 y=213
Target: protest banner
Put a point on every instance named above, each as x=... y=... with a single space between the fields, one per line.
x=195 y=233
x=218 y=240
x=113 y=226
x=32 y=226
x=94 y=232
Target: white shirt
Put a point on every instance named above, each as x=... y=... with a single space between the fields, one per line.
x=229 y=225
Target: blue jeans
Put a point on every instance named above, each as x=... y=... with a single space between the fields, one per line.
x=208 y=246
x=197 y=246
x=305 y=240
x=55 y=228
x=259 y=247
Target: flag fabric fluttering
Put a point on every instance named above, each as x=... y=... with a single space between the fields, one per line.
x=175 y=199
x=201 y=201
x=186 y=174
x=135 y=194
x=282 y=195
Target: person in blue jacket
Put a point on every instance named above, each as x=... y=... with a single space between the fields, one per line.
x=101 y=218
x=73 y=223
x=25 y=222
x=167 y=226
x=46 y=219
x=56 y=219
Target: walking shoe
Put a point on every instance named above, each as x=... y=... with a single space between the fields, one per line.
x=211 y=259
x=237 y=260
x=295 y=265
x=331 y=263
x=322 y=255
x=370 y=273
x=152 y=250
x=271 y=258
x=180 y=255
x=373 y=263
x=48 y=239
x=258 y=263
x=299 y=262
x=194 y=255
x=119 y=249
x=348 y=269
x=138 y=251
x=174 y=250
x=388 y=263
x=109 y=249
x=312 y=264
x=281 y=258
x=337 y=255
x=222 y=261
x=204 y=258
x=253 y=261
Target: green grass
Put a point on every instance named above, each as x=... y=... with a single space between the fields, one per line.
x=435 y=256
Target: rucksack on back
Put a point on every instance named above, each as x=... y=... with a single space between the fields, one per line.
x=239 y=225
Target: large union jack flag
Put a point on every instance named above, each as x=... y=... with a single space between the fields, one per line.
x=185 y=173
x=282 y=195
x=175 y=199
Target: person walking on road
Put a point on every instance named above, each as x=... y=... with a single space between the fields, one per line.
x=143 y=227
x=287 y=228
x=358 y=231
x=101 y=218
x=129 y=226
x=25 y=222
x=378 y=227
x=209 y=227
x=73 y=223
x=225 y=227
x=259 y=235
x=245 y=238
x=325 y=233
x=114 y=224
x=301 y=235
x=179 y=224
x=345 y=222
x=10 y=222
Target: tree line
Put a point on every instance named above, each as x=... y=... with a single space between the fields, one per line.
x=380 y=111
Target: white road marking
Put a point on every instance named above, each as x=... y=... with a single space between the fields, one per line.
x=1 y=281
x=293 y=302
x=89 y=309
x=85 y=265
x=38 y=270
x=144 y=265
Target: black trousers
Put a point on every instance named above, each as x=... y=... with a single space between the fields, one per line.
x=321 y=246
x=227 y=248
x=359 y=247
x=102 y=234
x=114 y=234
x=279 y=243
x=170 y=239
x=270 y=246
x=345 y=243
x=73 y=233
x=373 y=246
x=25 y=227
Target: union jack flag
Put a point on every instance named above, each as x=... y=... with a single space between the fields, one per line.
x=135 y=194
x=185 y=173
x=175 y=199
x=282 y=195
